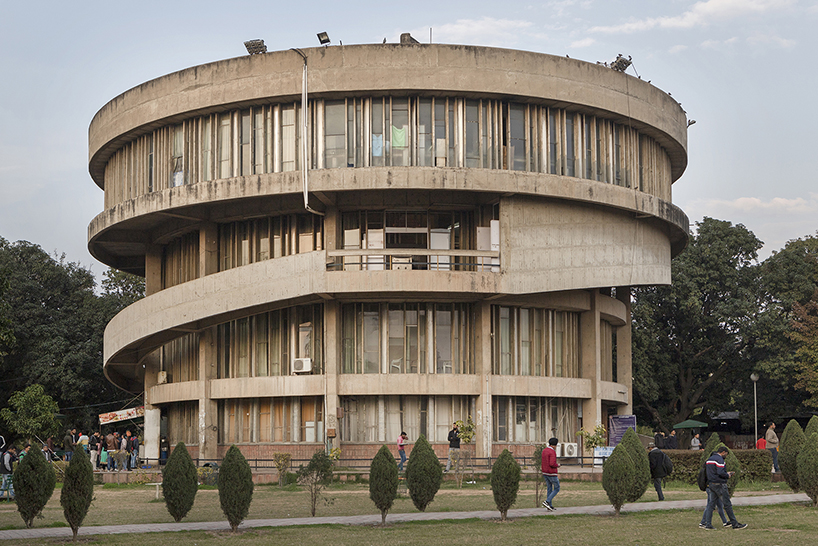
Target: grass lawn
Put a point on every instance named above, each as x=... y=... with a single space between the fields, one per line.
x=784 y=524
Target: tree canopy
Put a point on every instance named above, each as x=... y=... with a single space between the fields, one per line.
x=54 y=321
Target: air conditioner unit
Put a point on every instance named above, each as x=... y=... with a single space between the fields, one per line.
x=161 y=378
x=302 y=365
x=570 y=450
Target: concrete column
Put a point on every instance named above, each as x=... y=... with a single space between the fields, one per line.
x=332 y=348
x=590 y=364
x=482 y=362
x=624 y=348
x=152 y=413
x=208 y=408
x=153 y=269
x=208 y=249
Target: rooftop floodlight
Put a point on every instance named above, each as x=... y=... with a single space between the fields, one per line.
x=620 y=64
x=323 y=37
x=254 y=47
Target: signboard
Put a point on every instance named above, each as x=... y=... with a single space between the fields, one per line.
x=121 y=415
x=618 y=425
x=600 y=452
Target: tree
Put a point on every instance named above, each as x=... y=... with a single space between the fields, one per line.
x=693 y=341
x=282 y=463
x=792 y=441
x=804 y=333
x=618 y=475
x=34 y=481
x=383 y=481
x=423 y=474
x=77 y=490
x=709 y=447
x=57 y=322
x=505 y=482
x=6 y=331
x=32 y=414
x=641 y=465
x=538 y=469
x=235 y=487
x=315 y=476
x=808 y=468
x=180 y=482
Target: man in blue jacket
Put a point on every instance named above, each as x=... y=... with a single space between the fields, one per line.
x=717 y=478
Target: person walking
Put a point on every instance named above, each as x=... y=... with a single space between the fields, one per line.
x=660 y=467
x=112 y=447
x=93 y=447
x=69 y=442
x=134 y=445
x=659 y=439
x=401 y=450
x=717 y=478
x=672 y=442
x=454 y=446
x=549 y=474
x=695 y=443
x=772 y=445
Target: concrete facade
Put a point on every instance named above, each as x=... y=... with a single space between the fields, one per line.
x=478 y=218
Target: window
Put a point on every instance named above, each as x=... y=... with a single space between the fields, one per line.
x=270 y=420
x=289 y=139
x=259 y=346
x=177 y=170
x=533 y=419
x=224 y=143
x=408 y=331
x=183 y=419
x=243 y=243
x=180 y=359
x=537 y=342
x=180 y=260
x=334 y=138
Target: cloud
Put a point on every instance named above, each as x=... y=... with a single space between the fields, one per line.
x=771 y=40
x=585 y=42
x=701 y=14
x=678 y=48
x=485 y=31
x=776 y=205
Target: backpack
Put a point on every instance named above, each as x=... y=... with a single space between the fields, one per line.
x=701 y=479
x=667 y=465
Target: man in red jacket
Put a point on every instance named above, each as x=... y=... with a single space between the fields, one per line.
x=549 y=473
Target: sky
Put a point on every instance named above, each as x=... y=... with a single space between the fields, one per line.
x=744 y=70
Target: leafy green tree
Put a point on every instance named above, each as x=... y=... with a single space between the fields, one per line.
x=77 y=490
x=316 y=476
x=57 y=322
x=808 y=468
x=693 y=340
x=618 y=475
x=804 y=333
x=383 y=481
x=32 y=413
x=505 y=482
x=538 y=469
x=641 y=465
x=34 y=481
x=423 y=474
x=235 y=487
x=792 y=441
x=6 y=331
x=180 y=482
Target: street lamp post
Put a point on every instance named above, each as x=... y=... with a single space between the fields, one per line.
x=754 y=378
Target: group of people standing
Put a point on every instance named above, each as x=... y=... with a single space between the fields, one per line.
x=113 y=452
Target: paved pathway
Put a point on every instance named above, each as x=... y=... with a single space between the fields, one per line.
x=392 y=518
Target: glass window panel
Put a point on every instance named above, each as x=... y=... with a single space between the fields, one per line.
x=518 y=136
x=335 y=139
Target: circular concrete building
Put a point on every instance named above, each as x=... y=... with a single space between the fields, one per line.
x=344 y=243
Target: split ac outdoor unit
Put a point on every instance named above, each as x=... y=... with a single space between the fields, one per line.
x=570 y=450
x=161 y=378
x=302 y=365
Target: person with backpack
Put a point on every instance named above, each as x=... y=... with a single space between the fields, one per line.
x=660 y=467
x=717 y=478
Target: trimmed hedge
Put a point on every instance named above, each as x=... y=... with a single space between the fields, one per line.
x=755 y=465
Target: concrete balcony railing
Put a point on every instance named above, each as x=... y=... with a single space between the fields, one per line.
x=413 y=259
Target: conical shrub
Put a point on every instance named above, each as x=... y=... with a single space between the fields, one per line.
x=709 y=447
x=808 y=468
x=641 y=465
x=505 y=482
x=383 y=481
x=235 y=487
x=34 y=481
x=618 y=475
x=180 y=482
x=77 y=490
x=792 y=440
x=812 y=426
x=423 y=474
